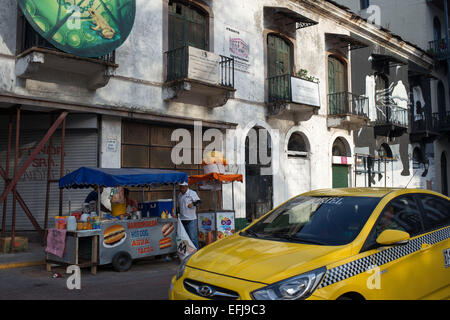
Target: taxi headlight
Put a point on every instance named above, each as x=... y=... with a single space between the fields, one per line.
x=182 y=266
x=298 y=287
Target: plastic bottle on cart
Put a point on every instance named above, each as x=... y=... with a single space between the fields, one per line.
x=71 y=223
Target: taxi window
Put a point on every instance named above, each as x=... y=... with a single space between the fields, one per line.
x=436 y=211
x=316 y=220
x=402 y=214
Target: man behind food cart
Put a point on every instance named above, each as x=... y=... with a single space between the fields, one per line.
x=188 y=200
x=93 y=196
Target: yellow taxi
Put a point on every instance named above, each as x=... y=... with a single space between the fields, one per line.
x=352 y=243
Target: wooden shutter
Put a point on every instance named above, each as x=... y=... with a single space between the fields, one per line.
x=187 y=26
x=278 y=56
x=337 y=75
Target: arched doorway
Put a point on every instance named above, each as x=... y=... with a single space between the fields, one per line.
x=444 y=180
x=340 y=168
x=258 y=173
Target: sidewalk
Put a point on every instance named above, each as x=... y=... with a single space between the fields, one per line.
x=33 y=256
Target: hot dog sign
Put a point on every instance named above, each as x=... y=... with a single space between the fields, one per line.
x=140 y=238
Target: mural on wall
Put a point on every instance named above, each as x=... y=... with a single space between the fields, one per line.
x=392 y=103
x=87 y=28
x=419 y=106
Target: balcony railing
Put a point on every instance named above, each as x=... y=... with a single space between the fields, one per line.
x=443 y=121
x=425 y=122
x=391 y=114
x=347 y=103
x=32 y=39
x=439 y=48
x=178 y=67
x=280 y=88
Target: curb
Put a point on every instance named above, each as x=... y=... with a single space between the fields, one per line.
x=21 y=264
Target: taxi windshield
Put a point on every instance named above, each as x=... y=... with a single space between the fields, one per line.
x=330 y=221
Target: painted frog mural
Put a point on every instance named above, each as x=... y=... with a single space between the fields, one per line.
x=87 y=28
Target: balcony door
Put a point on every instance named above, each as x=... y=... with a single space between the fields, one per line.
x=337 y=85
x=441 y=101
x=382 y=98
x=187 y=26
x=279 y=67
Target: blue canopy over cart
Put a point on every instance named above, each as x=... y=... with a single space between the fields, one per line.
x=119 y=241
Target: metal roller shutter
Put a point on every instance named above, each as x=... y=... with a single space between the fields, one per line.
x=81 y=149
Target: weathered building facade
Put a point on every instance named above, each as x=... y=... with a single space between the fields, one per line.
x=423 y=23
x=303 y=75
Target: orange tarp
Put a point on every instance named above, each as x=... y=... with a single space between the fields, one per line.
x=215 y=177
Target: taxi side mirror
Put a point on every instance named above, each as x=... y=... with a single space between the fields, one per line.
x=393 y=238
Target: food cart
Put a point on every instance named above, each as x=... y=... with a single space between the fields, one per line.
x=119 y=241
x=220 y=223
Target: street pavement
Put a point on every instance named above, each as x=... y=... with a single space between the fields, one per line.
x=146 y=280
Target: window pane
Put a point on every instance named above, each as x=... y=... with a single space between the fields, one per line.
x=134 y=133
x=436 y=212
x=160 y=157
x=160 y=136
x=320 y=220
x=134 y=156
x=401 y=214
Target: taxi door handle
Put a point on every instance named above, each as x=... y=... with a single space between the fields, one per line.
x=425 y=246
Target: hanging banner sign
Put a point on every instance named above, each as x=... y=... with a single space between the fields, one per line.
x=87 y=28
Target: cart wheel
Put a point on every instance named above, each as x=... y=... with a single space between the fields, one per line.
x=122 y=261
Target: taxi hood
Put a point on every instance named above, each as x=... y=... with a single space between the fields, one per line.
x=264 y=261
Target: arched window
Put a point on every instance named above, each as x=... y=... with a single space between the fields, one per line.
x=297 y=145
x=385 y=151
x=340 y=148
x=187 y=26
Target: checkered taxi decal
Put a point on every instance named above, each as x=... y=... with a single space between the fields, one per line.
x=358 y=266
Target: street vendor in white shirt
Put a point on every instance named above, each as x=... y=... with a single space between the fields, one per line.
x=188 y=201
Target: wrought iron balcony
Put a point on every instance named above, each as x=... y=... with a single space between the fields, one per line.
x=292 y=98
x=424 y=127
x=443 y=122
x=280 y=89
x=439 y=49
x=391 y=121
x=347 y=103
x=198 y=76
x=347 y=110
x=178 y=64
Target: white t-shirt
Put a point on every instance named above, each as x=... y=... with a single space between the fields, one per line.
x=184 y=200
